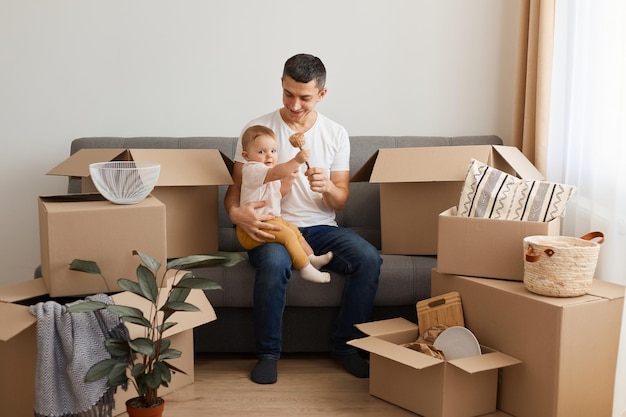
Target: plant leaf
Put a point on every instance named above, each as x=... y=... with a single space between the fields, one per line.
x=171 y=354
x=188 y=261
x=154 y=378
x=173 y=368
x=165 y=344
x=130 y=315
x=100 y=369
x=86 y=306
x=89 y=267
x=117 y=348
x=131 y=286
x=141 y=321
x=137 y=370
x=148 y=260
x=171 y=306
x=163 y=372
x=196 y=261
x=178 y=294
x=125 y=311
x=199 y=283
x=147 y=283
x=142 y=345
x=118 y=377
x=230 y=258
x=166 y=326
x=141 y=384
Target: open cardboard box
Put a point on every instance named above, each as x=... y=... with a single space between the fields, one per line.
x=416 y=184
x=88 y=227
x=429 y=386
x=187 y=185
x=486 y=248
x=568 y=346
x=18 y=344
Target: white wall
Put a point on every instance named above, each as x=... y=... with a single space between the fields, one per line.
x=72 y=68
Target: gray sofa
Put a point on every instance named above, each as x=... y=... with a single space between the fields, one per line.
x=311 y=308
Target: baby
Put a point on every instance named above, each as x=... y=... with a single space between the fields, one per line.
x=263 y=180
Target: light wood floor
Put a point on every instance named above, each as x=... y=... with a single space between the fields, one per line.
x=308 y=385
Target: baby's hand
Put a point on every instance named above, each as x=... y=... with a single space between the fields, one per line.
x=302 y=156
x=291 y=177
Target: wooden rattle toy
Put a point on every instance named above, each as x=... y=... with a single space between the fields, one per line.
x=297 y=141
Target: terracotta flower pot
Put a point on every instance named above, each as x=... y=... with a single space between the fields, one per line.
x=137 y=411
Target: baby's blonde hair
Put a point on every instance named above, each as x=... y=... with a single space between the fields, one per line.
x=254 y=132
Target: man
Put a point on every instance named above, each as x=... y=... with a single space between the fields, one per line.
x=316 y=194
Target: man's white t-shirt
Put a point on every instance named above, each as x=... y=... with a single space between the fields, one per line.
x=329 y=147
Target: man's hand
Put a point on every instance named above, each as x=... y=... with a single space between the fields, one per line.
x=253 y=223
x=319 y=181
x=335 y=190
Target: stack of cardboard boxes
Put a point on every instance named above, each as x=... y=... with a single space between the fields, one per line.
x=178 y=219
x=554 y=357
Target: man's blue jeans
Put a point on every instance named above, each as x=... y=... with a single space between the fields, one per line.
x=353 y=257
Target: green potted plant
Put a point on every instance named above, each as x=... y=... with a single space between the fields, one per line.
x=144 y=361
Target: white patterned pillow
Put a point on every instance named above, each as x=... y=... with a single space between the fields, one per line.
x=491 y=193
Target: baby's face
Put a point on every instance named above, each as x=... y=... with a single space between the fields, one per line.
x=262 y=149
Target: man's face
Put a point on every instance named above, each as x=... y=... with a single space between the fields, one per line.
x=300 y=99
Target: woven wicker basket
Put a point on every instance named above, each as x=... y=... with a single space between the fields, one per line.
x=561 y=266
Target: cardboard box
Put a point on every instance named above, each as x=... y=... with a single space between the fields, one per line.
x=18 y=345
x=187 y=185
x=568 y=346
x=428 y=386
x=416 y=184
x=486 y=247
x=91 y=228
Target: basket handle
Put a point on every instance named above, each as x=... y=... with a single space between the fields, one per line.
x=594 y=235
x=534 y=258
x=589 y=236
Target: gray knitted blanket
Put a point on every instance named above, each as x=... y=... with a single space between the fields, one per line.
x=67 y=346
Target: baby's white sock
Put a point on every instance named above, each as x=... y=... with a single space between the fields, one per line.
x=310 y=273
x=319 y=261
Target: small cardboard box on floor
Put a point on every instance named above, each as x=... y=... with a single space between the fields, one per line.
x=89 y=227
x=486 y=248
x=568 y=346
x=18 y=344
x=417 y=184
x=425 y=385
x=187 y=185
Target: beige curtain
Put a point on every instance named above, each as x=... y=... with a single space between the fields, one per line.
x=532 y=96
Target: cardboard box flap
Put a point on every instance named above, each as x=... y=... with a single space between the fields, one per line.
x=73 y=198
x=484 y=362
x=518 y=162
x=606 y=289
x=441 y=163
x=426 y=164
x=397 y=353
x=23 y=290
x=365 y=172
x=600 y=290
x=77 y=165
x=20 y=317
x=20 y=320
x=179 y=167
x=186 y=320
x=186 y=166
x=388 y=326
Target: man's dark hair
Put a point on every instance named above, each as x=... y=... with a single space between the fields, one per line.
x=304 y=67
